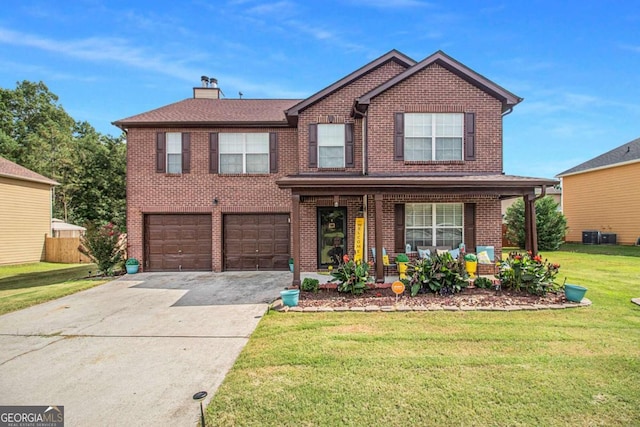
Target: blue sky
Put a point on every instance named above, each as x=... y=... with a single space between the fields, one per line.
x=576 y=63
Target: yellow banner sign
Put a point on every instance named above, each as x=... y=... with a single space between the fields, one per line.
x=359 y=240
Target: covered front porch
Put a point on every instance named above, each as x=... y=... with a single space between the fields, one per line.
x=381 y=200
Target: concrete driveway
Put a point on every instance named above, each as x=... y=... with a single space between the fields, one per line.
x=135 y=350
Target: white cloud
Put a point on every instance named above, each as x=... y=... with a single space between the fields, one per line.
x=632 y=48
x=393 y=4
x=272 y=8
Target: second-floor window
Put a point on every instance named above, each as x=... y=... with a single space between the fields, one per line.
x=433 y=136
x=244 y=153
x=174 y=152
x=331 y=138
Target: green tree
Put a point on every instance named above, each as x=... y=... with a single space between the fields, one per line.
x=37 y=133
x=551 y=225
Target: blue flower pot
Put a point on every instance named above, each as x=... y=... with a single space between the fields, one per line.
x=290 y=297
x=132 y=269
x=574 y=293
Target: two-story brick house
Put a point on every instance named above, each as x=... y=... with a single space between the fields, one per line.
x=244 y=184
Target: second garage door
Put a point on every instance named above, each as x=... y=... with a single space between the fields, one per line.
x=177 y=242
x=256 y=242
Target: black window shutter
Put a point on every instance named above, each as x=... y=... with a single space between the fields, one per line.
x=349 y=150
x=186 y=152
x=313 y=145
x=161 y=152
x=213 y=153
x=470 y=136
x=273 y=152
x=398 y=136
x=470 y=226
x=399 y=229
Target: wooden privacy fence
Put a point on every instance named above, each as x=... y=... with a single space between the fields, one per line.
x=64 y=249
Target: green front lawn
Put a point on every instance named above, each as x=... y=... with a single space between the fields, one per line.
x=24 y=285
x=575 y=367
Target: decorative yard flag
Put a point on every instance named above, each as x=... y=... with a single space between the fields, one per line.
x=359 y=240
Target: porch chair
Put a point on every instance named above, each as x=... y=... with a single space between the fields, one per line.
x=385 y=261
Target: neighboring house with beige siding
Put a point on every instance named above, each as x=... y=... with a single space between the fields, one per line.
x=602 y=194
x=25 y=213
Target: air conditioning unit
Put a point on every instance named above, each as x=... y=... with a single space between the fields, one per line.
x=608 y=238
x=591 y=237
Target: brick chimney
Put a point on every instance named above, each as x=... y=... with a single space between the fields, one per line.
x=208 y=90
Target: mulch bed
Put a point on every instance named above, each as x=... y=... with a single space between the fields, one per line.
x=469 y=297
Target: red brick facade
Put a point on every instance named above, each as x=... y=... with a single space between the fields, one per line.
x=435 y=87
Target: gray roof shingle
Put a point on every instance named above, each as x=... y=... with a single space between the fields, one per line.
x=627 y=152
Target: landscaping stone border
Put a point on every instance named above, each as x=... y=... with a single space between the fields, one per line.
x=278 y=306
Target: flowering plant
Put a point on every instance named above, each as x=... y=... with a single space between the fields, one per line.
x=529 y=273
x=352 y=276
x=103 y=245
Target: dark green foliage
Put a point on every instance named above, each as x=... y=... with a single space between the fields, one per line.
x=132 y=261
x=37 y=133
x=551 y=225
x=483 y=283
x=310 y=285
x=439 y=274
x=103 y=244
x=352 y=276
x=528 y=273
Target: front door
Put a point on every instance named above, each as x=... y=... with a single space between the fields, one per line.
x=332 y=236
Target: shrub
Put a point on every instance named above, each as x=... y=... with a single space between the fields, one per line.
x=471 y=258
x=441 y=274
x=528 y=273
x=551 y=225
x=352 y=276
x=132 y=261
x=402 y=258
x=310 y=285
x=483 y=283
x=103 y=245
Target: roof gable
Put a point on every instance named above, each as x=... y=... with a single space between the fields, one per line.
x=392 y=55
x=10 y=169
x=626 y=153
x=507 y=98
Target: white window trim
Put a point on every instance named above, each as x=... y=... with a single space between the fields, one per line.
x=243 y=153
x=433 y=137
x=434 y=227
x=168 y=152
x=320 y=144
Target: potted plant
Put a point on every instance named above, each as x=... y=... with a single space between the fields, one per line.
x=132 y=265
x=402 y=260
x=471 y=264
x=291 y=264
x=574 y=293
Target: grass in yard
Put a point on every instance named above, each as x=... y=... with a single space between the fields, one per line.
x=22 y=286
x=576 y=367
x=601 y=249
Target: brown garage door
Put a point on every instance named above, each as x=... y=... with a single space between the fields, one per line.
x=256 y=242
x=177 y=242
